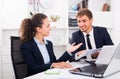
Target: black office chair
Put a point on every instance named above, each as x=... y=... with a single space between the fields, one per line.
x=20 y=68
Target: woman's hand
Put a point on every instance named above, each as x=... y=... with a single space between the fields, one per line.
x=74 y=47
x=61 y=65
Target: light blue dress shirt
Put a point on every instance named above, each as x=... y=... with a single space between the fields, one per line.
x=43 y=50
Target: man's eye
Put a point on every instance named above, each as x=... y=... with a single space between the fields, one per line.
x=84 y=20
x=78 y=21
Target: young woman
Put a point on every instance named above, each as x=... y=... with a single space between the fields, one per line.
x=37 y=52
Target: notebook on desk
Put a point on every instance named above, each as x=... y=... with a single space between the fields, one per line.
x=101 y=67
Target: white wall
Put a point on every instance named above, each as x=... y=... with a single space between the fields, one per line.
x=13 y=12
x=11 y=15
x=116 y=10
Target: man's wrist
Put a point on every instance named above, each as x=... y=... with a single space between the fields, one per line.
x=69 y=53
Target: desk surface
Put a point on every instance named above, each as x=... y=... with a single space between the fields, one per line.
x=65 y=74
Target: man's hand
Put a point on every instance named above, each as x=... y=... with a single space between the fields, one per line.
x=95 y=55
x=80 y=54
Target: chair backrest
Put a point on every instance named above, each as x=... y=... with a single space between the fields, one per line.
x=20 y=68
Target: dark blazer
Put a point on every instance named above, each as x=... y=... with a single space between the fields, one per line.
x=34 y=60
x=101 y=37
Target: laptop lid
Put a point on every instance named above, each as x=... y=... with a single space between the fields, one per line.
x=114 y=65
x=106 y=54
x=101 y=65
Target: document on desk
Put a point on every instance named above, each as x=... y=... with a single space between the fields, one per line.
x=57 y=73
x=52 y=71
x=87 y=52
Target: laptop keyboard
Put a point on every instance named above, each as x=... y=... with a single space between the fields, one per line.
x=94 y=68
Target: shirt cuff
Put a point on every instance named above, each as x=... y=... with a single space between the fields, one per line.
x=69 y=53
x=89 y=57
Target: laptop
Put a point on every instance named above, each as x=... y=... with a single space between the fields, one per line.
x=106 y=63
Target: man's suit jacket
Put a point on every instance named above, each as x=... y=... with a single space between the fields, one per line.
x=101 y=37
x=34 y=59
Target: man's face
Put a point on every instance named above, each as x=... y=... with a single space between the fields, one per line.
x=84 y=23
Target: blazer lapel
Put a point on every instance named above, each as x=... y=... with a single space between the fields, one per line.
x=50 y=52
x=82 y=39
x=96 y=37
x=37 y=52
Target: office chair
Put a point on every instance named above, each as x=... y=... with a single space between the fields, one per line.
x=20 y=68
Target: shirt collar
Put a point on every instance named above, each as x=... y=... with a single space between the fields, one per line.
x=36 y=40
x=91 y=32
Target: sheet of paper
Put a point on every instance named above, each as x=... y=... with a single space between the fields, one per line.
x=53 y=71
x=87 y=52
x=91 y=51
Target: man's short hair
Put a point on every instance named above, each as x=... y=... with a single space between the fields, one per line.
x=83 y=12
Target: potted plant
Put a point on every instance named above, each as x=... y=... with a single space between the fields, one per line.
x=54 y=19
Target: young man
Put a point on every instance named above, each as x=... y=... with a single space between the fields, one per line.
x=98 y=36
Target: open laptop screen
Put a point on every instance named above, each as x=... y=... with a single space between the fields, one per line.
x=100 y=68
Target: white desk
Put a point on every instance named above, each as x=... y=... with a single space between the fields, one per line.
x=65 y=74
